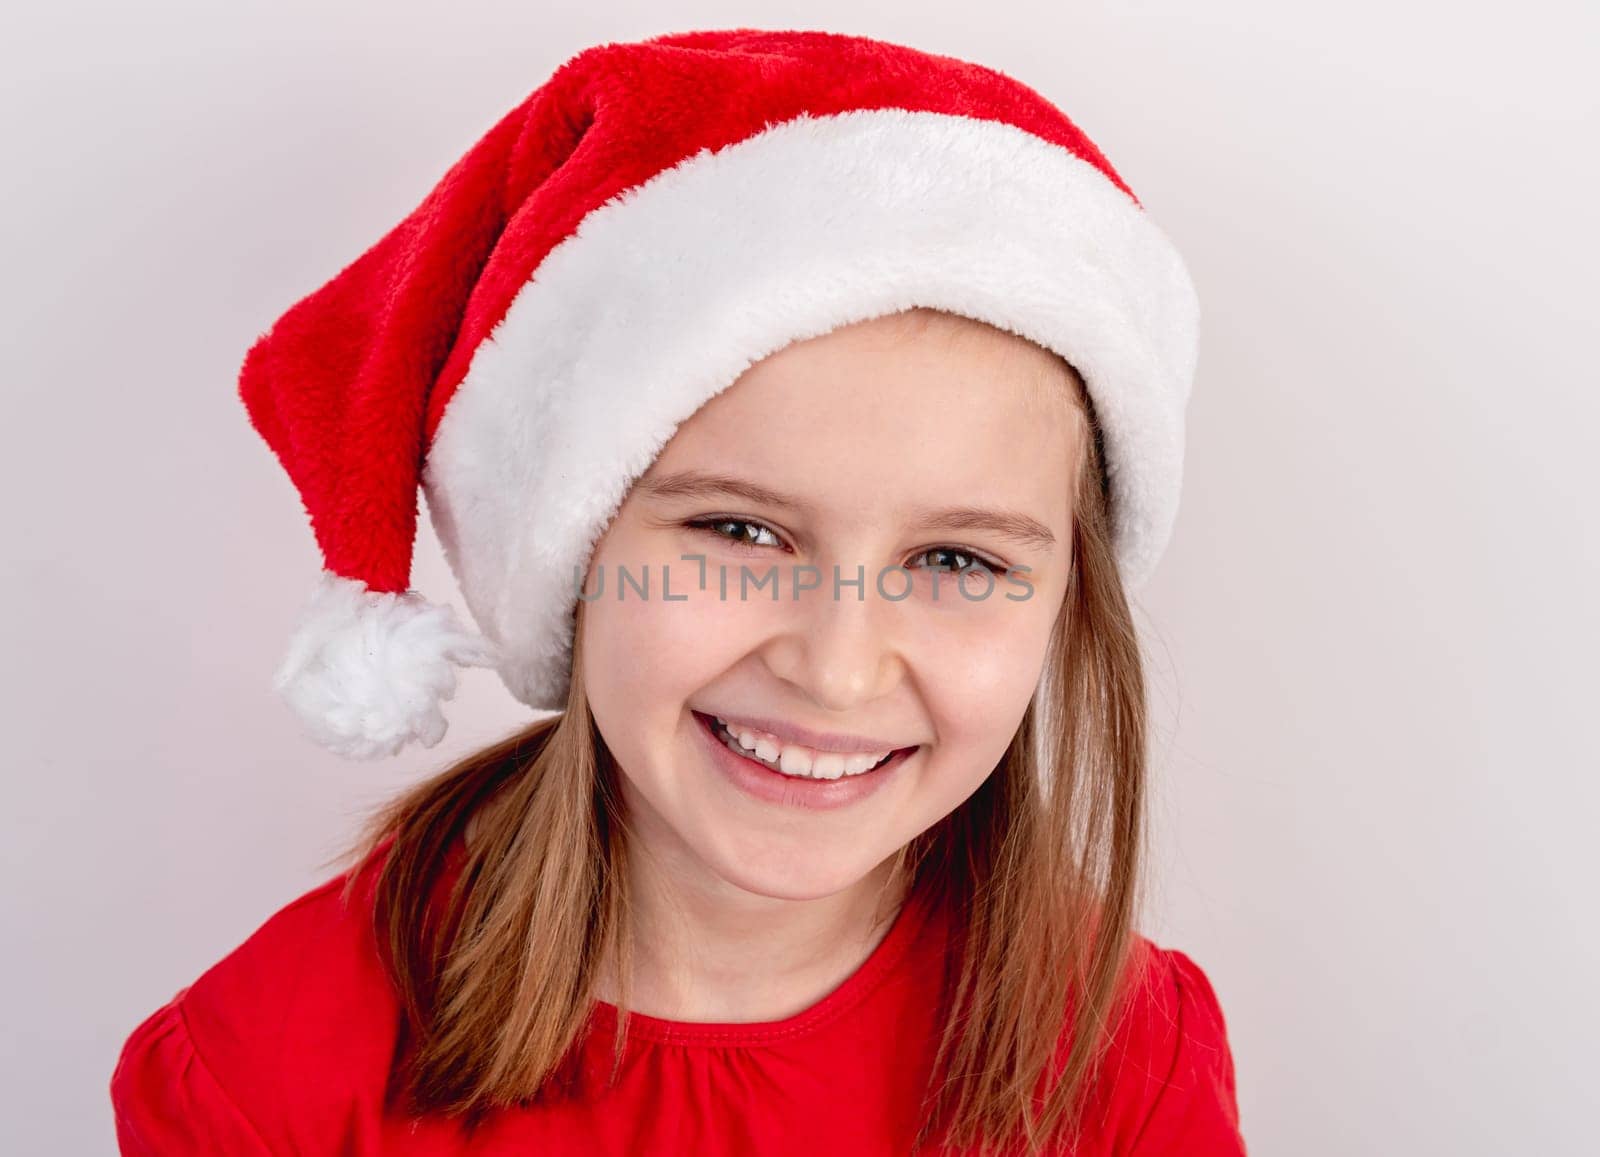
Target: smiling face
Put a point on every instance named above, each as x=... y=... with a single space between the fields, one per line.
x=869 y=448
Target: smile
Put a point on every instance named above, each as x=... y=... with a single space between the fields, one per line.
x=795 y=760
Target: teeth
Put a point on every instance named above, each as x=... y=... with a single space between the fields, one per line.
x=828 y=765
x=793 y=759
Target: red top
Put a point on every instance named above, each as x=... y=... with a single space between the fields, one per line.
x=284 y=1047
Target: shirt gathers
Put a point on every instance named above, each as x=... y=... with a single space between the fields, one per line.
x=284 y=1047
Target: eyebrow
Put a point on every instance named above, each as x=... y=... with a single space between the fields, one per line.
x=1010 y=524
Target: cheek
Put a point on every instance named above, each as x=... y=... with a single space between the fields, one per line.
x=642 y=659
x=978 y=686
x=649 y=653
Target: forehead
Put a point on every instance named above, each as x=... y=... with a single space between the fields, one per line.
x=907 y=409
x=954 y=336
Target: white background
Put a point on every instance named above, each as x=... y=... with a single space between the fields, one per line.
x=1372 y=640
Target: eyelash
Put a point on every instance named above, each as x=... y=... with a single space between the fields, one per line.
x=708 y=526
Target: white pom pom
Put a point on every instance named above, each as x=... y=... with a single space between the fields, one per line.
x=367 y=672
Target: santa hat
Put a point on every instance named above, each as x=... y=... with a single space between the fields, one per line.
x=615 y=251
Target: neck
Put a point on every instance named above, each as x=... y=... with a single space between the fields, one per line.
x=705 y=950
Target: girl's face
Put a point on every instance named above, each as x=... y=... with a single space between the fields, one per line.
x=933 y=448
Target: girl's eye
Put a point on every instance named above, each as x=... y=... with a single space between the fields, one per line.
x=742 y=532
x=968 y=560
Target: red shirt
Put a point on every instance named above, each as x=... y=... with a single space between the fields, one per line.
x=284 y=1047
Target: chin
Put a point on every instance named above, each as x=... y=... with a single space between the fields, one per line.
x=797 y=880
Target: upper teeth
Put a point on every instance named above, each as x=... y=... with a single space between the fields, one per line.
x=793 y=759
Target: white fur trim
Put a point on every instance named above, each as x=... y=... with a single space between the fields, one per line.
x=366 y=672
x=664 y=295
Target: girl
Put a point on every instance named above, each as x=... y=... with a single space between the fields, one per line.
x=795 y=411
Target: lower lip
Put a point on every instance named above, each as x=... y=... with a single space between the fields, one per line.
x=763 y=783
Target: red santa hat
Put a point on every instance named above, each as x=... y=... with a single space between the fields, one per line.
x=615 y=251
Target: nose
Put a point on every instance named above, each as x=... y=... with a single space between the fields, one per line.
x=840 y=652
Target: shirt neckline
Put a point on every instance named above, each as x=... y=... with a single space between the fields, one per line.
x=908 y=924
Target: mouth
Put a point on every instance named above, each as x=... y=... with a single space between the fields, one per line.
x=803 y=768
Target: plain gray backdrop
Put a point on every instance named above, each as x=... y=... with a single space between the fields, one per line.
x=1372 y=640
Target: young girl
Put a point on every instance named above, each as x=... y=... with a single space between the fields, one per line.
x=796 y=411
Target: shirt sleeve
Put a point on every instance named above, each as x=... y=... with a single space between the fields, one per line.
x=168 y=1102
x=1195 y=1111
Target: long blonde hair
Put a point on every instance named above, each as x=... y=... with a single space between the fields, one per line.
x=1042 y=865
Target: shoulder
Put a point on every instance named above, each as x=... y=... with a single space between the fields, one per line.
x=1171 y=1062
x=289 y=1026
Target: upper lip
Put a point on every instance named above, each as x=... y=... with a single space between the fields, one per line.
x=805 y=737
